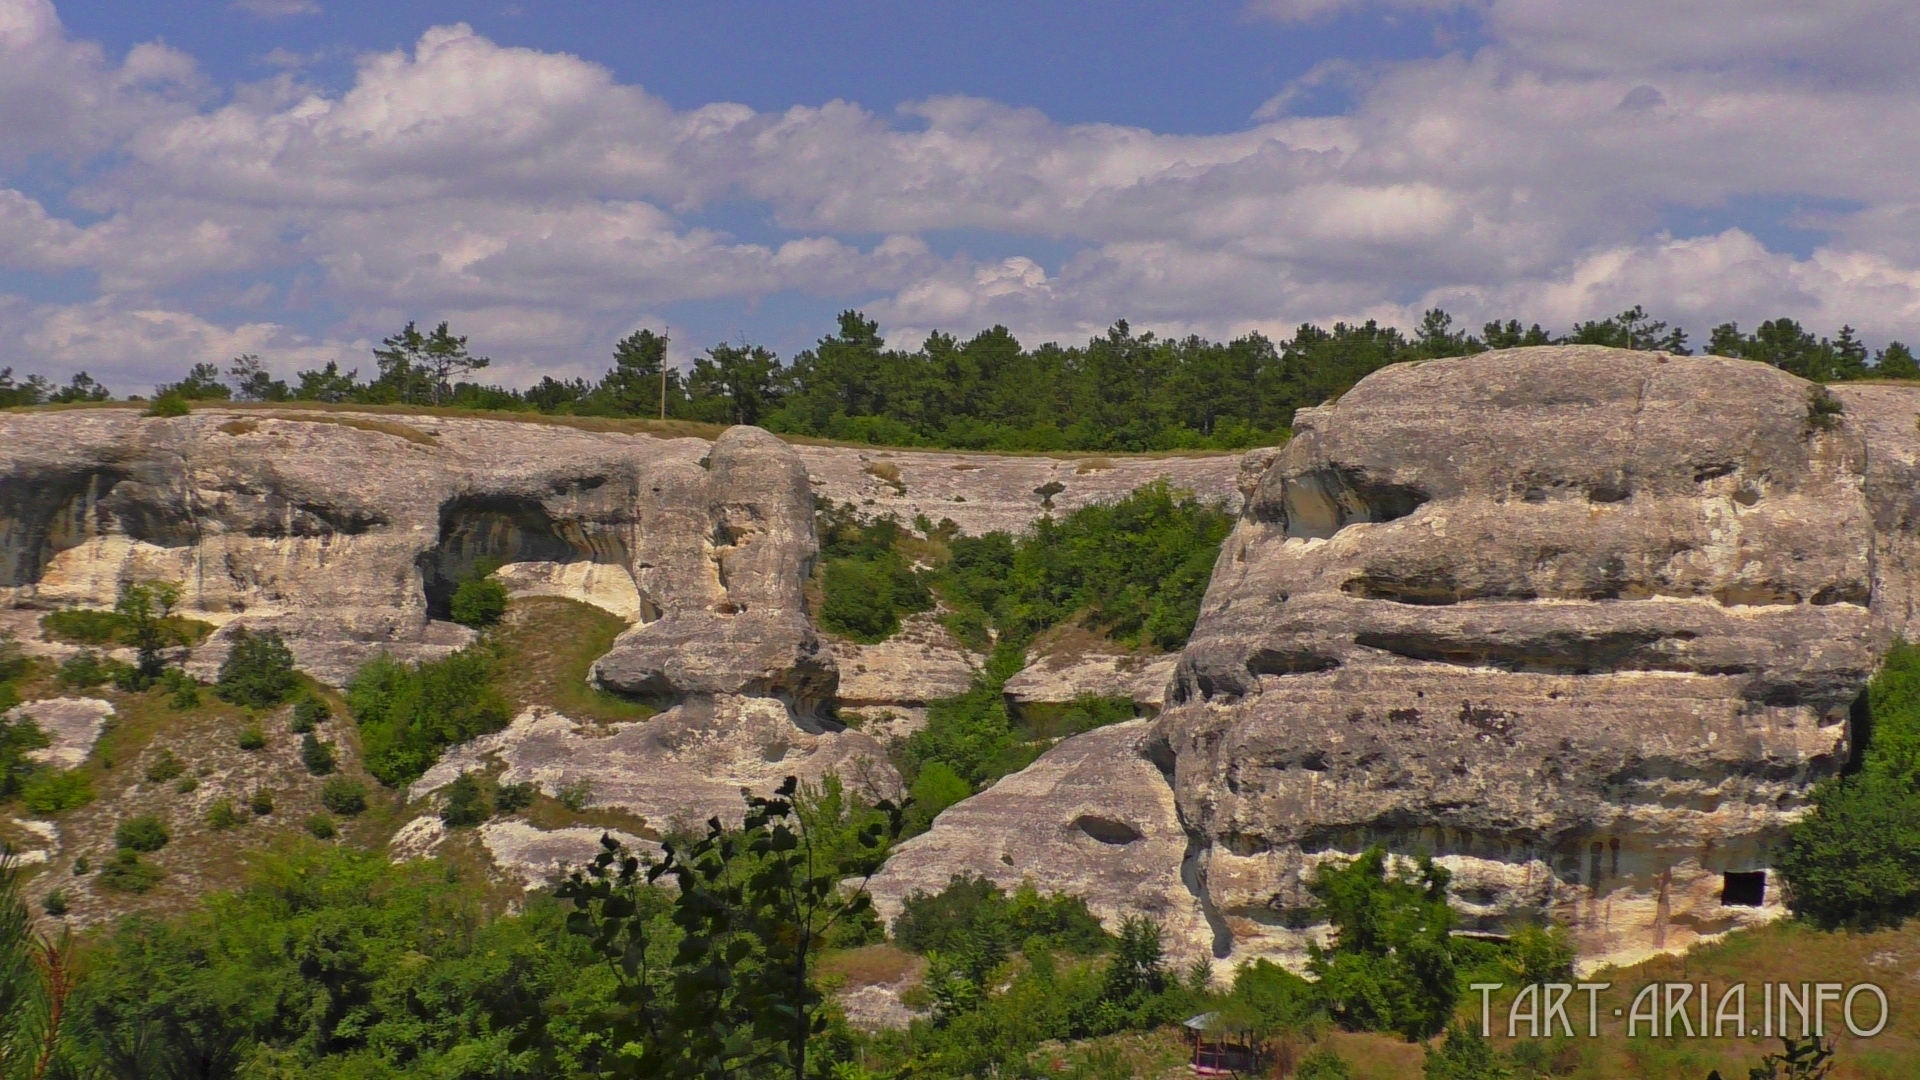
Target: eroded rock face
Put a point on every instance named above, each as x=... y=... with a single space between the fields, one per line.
x=1092 y=817
x=1584 y=624
x=741 y=627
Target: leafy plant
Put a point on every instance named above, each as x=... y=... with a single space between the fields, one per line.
x=321 y=827
x=344 y=796
x=751 y=910
x=18 y=738
x=87 y=668
x=221 y=815
x=55 y=903
x=513 y=798
x=258 y=670
x=260 y=802
x=317 y=756
x=1391 y=967
x=145 y=834
x=576 y=795
x=1807 y=1058
x=465 y=803
x=408 y=713
x=126 y=873
x=309 y=712
x=480 y=599
x=55 y=791
x=1323 y=1064
x=251 y=737
x=1464 y=1055
x=164 y=767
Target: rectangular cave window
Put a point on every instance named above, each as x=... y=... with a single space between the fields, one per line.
x=1744 y=888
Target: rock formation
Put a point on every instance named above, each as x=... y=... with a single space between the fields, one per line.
x=1583 y=624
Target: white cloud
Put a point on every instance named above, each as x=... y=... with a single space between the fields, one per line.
x=545 y=206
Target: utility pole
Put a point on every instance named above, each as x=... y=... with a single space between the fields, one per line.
x=665 y=340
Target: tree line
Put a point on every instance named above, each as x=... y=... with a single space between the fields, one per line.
x=1123 y=391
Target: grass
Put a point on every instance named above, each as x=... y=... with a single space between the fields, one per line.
x=383 y=427
x=548 y=647
x=1784 y=952
x=870 y=965
x=887 y=473
x=98 y=626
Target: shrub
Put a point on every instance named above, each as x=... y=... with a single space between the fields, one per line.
x=87 y=668
x=183 y=691
x=308 y=713
x=260 y=802
x=575 y=795
x=866 y=582
x=251 y=738
x=936 y=788
x=55 y=904
x=512 y=798
x=146 y=833
x=972 y=912
x=1323 y=1064
x=408 y=713
x=18 y=738
x=317 y=756
x=1391 y=967
x=55 y=791
x=164 y=767
x=1855 y=861
x=321 y=827
x=222 y=816
x=479 y=602
x=187 y=785
x=258 y=670
x=343 y=796
x=126 y=873
x=1464 y=1055
x=465 y=803
x=169 y=404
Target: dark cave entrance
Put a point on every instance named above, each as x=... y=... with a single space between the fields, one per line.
x=500 y=529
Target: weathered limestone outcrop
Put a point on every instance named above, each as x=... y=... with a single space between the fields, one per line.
x=1583 y=624
x=1092 y=817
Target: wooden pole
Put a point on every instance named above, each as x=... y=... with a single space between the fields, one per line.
x=665 y=339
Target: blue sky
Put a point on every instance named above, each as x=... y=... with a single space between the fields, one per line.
x=185 y=181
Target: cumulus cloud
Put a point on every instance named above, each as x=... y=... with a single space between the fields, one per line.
x=545 y=206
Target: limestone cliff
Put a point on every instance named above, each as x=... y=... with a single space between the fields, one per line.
x=1584 y=624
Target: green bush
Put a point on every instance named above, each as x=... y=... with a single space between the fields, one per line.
x=321 y=827
x=308 y=713
x=407 y=714
x=182 y=691
x=187 y=785
x=866 y=582
x=317 y=756
x=18 y=738
x=251 y=738
x=55 y=791
x=258 y=670
x=513 y=798
x=221 y=815
x=1464 y=1055
x=55 y=904
x=972 y=912
x=479 y=602
x=1323 y=1064
x=126 y=873
x=1391 y=967
x=87 y=668
x=260 y=802
x=466 y=803
x=170 y=404
x=343 y=796
x=164 y=767
x=575 y=795
x=1855 y=861
x=936 y=788
x=146 y=833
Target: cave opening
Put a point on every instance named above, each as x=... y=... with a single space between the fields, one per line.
x=496 y=529
x=1743 y=888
